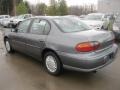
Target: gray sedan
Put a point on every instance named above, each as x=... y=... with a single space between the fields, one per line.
x=62 y=42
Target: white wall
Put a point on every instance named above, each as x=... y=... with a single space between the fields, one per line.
x=109 y=6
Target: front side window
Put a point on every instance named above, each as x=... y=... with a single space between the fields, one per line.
x=69 y=25
x=40 y=27
x=23 y=26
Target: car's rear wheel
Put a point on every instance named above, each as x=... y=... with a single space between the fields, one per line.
x=5 y=26
x=8 y=46
x=52 y=63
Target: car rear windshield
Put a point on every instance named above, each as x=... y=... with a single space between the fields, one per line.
x=20 y=17
x=93 y=17
x=70 y=24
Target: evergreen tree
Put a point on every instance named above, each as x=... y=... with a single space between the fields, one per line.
x=62 y=9
x=28 y=7
x=21 y=8
x=53 y=8
x=7 y=6
x=41 y=9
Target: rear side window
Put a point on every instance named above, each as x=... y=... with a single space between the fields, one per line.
x=41 y=27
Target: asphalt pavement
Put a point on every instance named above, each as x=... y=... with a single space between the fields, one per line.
x=20 y=72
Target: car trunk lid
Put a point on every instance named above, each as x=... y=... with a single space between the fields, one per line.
x=105 y=38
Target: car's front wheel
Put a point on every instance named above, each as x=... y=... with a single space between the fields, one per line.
x=8 y=46
x=52 y=63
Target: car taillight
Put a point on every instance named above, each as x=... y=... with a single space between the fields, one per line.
x=87 y=46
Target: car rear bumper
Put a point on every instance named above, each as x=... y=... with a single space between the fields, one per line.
x=88 y=62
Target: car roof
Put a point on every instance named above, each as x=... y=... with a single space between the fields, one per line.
x=25 y=14
x=96 y=14
x=48 y=17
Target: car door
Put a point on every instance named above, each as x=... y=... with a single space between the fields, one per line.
x=18 y=38
x=37 y=36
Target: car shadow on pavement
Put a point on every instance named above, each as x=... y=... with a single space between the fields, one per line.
x=20 y=60
x=33 y=73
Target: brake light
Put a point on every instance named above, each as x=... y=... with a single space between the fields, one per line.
x=87 y=46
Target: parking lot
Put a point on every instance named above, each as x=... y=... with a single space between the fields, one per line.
x=19 y=72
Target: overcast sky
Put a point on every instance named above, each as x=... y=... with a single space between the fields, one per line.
x=69 y=2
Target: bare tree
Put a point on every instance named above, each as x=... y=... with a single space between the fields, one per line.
x=79 y=10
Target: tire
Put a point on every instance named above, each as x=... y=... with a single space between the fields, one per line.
x=8 y=46
x=52 y=63
x=5 y=26
x=12 y=26
x=102 y=27
x=118 y=40
x=18 y=24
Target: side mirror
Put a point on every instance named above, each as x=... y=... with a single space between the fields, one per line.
x=14 y=30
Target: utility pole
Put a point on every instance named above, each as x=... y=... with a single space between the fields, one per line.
x=14 y=8
x=7 y=7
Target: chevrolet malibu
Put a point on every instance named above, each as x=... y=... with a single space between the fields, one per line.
x=62 y=42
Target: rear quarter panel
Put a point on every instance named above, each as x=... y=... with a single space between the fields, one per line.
x=64 y=42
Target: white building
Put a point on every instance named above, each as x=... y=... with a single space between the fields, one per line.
x=109 y=6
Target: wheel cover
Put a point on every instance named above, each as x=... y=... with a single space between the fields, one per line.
x=51 y=63
x=7 y=46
